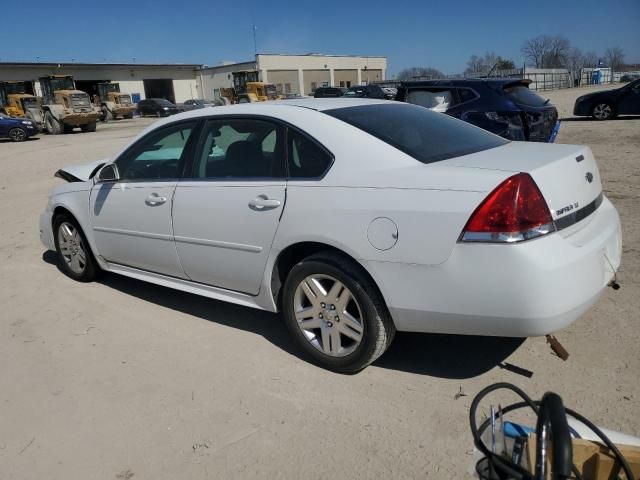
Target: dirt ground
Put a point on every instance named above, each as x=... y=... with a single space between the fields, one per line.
x=120 y=379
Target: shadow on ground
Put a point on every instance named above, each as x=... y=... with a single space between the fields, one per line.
x=590 y=119
x=436 y=355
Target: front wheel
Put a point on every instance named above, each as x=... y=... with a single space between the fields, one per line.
x=74 y=255
x=107 y=116
x=602 y=111
x=336 y=313
x=52 y=125
x=17 y=135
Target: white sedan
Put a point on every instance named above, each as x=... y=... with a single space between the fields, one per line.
x=354 y=218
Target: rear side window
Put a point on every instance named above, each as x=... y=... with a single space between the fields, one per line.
x=438 y=99
x=307 y=159
x=425 y=135
x=522 y=95
x=466 y=94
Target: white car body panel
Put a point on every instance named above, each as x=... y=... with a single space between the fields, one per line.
x=430 y=281
x=221 y=241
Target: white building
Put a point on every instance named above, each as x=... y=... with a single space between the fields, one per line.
x=297 y=74
x=175 y=82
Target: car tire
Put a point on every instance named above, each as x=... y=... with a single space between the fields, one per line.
x=17 y=134
x=89 y=127
x=75 y=258
x=348 y=310
x=603 y=111
x=158 y=114
x=52 y=125
x=107 y=116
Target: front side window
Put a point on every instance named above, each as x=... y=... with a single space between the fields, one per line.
x=425 y=135
x=156 y=156
x=307 y=159
x=240 y=148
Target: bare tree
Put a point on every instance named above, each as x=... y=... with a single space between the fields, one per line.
x=545 y=51
x=615 y=58
x=574 y=61
x=556 y=56
x=483 y=65
x=590 y=59
x=419 y=73
x=535 y=49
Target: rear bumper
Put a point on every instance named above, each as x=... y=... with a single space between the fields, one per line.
x=520 y=290
x=124 y=110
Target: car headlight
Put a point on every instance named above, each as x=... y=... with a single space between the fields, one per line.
x=27 y=122
x=165 y=108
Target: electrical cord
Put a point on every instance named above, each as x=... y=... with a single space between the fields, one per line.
x=503 y=468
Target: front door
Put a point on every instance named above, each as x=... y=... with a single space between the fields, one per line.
x=629 y=103
x=131 y=218
x=226 y=214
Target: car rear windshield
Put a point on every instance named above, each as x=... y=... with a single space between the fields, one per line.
x=522 y=95
x=425 y=135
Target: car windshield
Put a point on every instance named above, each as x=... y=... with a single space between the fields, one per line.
x=425 y=135
x=522 y=95
x=163 y=103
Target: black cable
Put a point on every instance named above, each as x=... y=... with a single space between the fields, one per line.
x=510 y=468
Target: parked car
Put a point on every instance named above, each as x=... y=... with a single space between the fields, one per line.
x=504 y=106
x=629 y=77
x=16 y=129
x=329 y=92
x=194 y=104
x=158 y=107
x=610 y=103
x=354 y=219
x=365 y=91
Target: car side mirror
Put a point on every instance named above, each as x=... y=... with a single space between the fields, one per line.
x=108 y=173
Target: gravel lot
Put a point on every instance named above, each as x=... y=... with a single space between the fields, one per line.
x=122 y=379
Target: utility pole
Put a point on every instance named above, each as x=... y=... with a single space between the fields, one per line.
x=255 y=45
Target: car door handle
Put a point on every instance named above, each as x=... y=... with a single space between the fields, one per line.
x=262 y=202
x=155 y=199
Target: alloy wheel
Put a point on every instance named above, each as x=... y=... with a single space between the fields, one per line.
x=602 y=111
x=328 y=315
x=72 y=247
x=17 y=135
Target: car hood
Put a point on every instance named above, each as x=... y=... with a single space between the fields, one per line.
x=591 y=96
x=81 y=172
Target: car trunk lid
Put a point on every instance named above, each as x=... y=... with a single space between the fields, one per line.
x=567 y=175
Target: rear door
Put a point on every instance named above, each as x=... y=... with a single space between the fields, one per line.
x=226 y=213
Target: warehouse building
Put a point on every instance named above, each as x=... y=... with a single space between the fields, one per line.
x=296 y=74
x=175 y=82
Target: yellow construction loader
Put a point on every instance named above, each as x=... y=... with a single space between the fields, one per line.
x=247 y=89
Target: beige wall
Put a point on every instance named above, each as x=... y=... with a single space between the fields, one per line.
x=369 y=76
x=283 y=77
x=345 y=76
x=314 y=79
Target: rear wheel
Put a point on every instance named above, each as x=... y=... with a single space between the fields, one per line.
x=52 y=125
x=74 y=255
x=602 y=111
x=89 y=127
x=158 y=114
x=17 y=134
x=336 y=313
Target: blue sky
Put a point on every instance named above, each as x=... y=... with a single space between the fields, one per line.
x=418 y=33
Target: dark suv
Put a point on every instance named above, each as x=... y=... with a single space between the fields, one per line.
x=329 y=92
x=504 y=106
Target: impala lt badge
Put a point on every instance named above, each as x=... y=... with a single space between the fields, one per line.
x=589 y=177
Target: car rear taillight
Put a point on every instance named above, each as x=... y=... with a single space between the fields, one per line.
x=513 y=212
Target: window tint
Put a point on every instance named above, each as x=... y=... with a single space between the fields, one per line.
x=306 y=158
x=522 y=95
x=425 y=135
x=434 y=98
x=239 y=148
x=466 y=94
x=157 y=155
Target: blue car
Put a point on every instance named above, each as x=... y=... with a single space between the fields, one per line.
x=16 y=129
x=504 y=106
